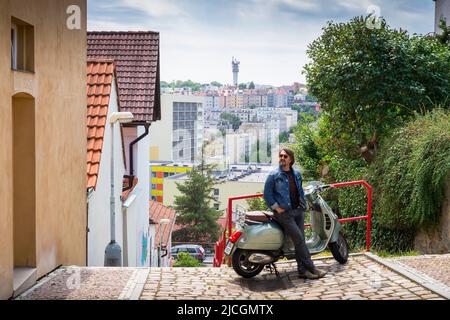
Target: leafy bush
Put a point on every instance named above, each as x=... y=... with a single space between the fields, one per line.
x=185 y=260
x=351 y=201
x=412 y=172
x=369 y=80
x=256 y=204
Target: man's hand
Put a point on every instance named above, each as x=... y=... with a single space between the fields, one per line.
x=279 y=210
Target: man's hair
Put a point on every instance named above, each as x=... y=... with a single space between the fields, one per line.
x=290 y=153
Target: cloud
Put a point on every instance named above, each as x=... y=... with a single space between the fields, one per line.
x=270 y=37
x=156 y=8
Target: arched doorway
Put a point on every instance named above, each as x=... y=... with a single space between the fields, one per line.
x=24 y=189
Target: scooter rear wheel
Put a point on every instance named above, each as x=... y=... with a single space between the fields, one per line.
x=339 y=249
x=242 y=266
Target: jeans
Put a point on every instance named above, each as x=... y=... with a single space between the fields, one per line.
x=293 y=222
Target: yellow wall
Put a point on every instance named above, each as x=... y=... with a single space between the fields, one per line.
x=58 y=87
x=170 y=169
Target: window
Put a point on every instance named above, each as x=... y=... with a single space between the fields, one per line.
x=153 y=174
x=14 y=46
x=192 y=250
x=216 y=192
x=216 y=206
x=166 y=174
x=154 y=186
x=22 y=45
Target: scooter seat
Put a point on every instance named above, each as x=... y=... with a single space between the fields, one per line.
x=258 y=216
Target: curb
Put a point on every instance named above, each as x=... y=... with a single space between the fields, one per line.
x=135 y=286
x=413 y=275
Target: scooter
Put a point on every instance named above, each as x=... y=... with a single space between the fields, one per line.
x=259 y=241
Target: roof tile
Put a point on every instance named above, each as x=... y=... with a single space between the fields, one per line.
x=158 y=212
x=99 y=82
x=136 y=56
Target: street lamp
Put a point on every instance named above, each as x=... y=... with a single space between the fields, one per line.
x=113 y=252
x=161 y=223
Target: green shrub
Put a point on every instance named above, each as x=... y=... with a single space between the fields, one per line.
x=351 y=201
x=412 y=172
x=185 y=260
x=409 y=178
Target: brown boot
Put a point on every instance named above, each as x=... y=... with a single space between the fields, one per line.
x=308 y=275
x=320 y=273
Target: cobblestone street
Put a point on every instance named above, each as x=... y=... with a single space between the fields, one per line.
x=361 y=278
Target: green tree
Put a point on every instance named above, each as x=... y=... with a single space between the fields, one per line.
x=256 y=204
x=216 y=84
x=370 y=80
x=242 y=86
x=283 y=137
x=251 y=85
x=444 y=36
x=232 y=119
x=197 y=219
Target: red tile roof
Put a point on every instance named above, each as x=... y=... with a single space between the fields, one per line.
x=99 y=82
x=158 y=212
x=136 y=56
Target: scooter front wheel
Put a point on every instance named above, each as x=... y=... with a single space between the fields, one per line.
x=339 y=249
x=242 y=266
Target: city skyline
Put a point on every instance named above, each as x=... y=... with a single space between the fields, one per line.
x=269 y=37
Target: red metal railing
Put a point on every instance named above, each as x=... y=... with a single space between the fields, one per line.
x=219 y=247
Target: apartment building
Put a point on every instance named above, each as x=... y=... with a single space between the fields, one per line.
x=180 y=131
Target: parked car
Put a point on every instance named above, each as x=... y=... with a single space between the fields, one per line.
x=196 y=251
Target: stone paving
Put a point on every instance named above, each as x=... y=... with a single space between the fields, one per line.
x=361 y=278
x=74 y=283
x=436 y=267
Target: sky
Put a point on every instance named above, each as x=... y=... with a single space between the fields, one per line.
x=198 y=38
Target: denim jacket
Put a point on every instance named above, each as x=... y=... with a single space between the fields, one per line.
x=276 y=189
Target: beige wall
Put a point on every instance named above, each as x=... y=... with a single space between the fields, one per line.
x=24 y=185
x=58 y=87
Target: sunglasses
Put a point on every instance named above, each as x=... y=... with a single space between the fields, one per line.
x=284 y=156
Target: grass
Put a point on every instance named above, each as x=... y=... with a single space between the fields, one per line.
x=385 y=254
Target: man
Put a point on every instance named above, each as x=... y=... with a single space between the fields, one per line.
x=283 y=193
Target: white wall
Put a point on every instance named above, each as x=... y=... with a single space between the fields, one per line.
x=136 y=207
x=165 y=261
x=151 y=244
x=141 y=205
x=99 y=202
